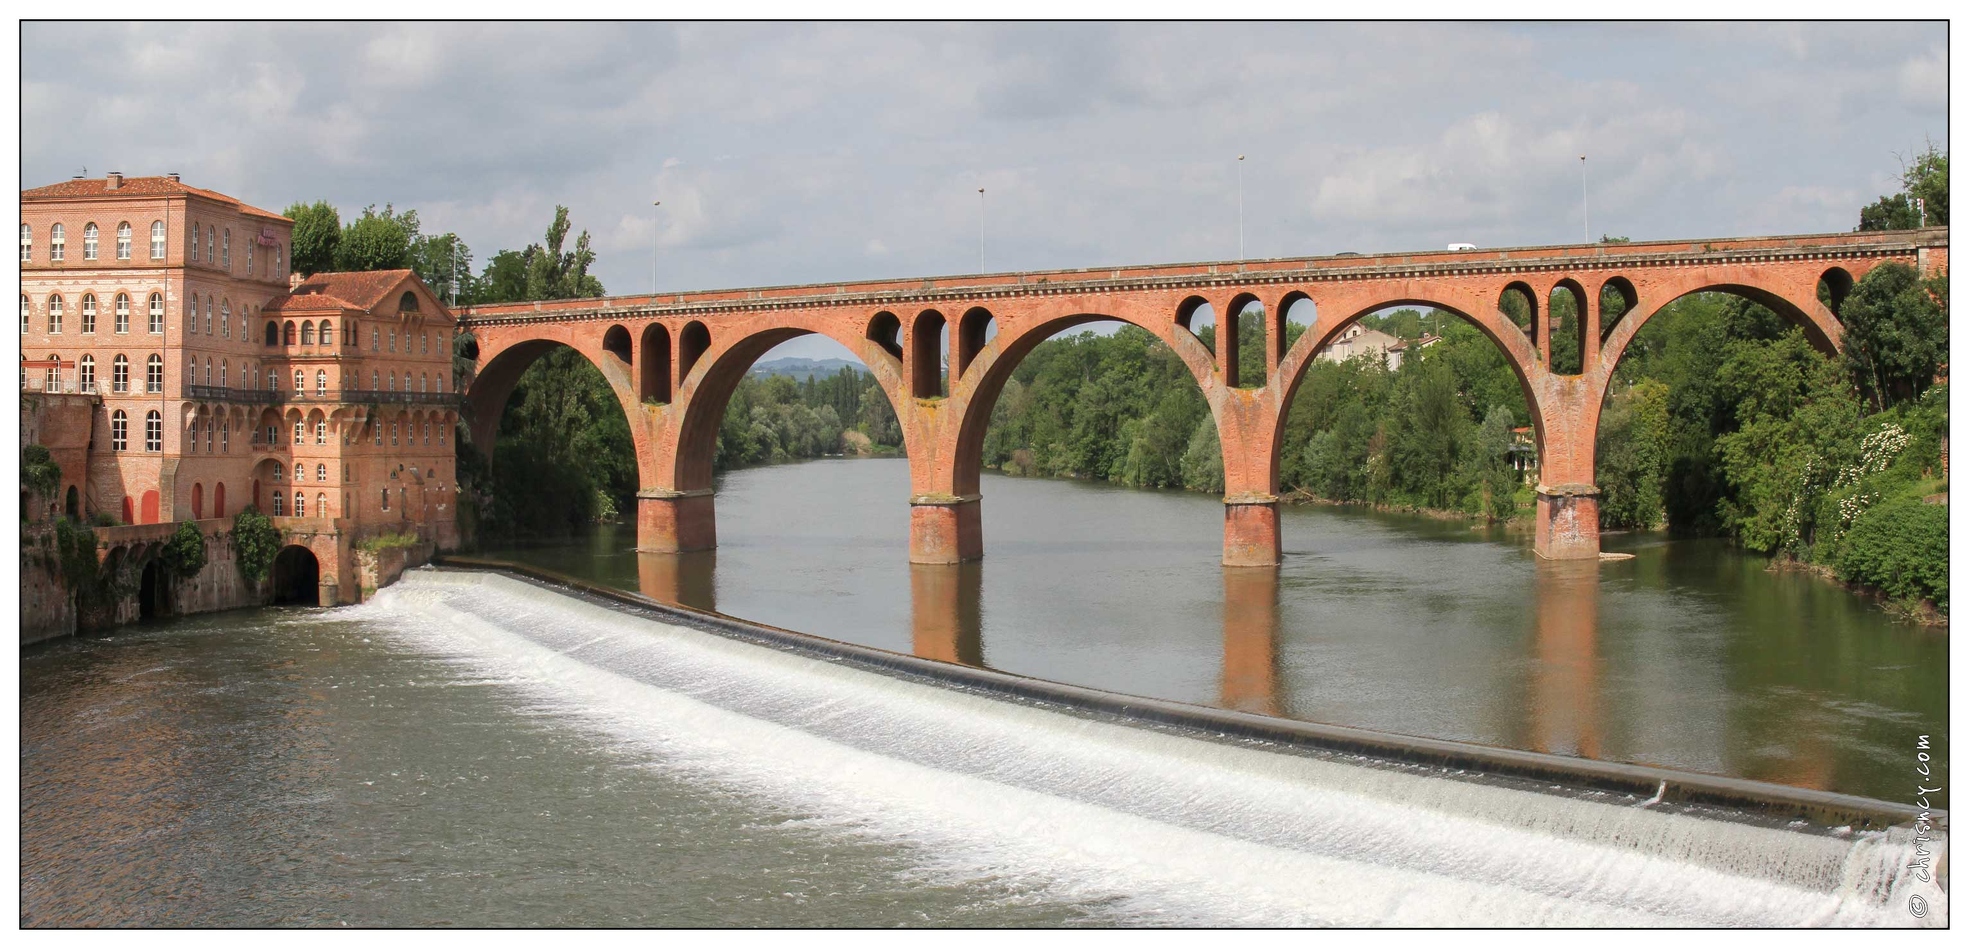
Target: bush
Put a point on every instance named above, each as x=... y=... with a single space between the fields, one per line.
x=255 y=541
x=1899 y=547
x=39 y=473
x=184 y=553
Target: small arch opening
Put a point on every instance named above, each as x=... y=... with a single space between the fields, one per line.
x=1520 y=304
x=1833 y=287
x=1567 y=309
x=153 y=592
x=615 y=342
x=1245 y=360
x=975 y=329
x=692 y=343
x=1200 y=318
x=885 y=330
x=654 y=385
x=1617 y=299
x=928 y=342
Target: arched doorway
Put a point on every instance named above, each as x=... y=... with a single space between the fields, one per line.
x=153 y=592
x=73 y=505
x=296 y=577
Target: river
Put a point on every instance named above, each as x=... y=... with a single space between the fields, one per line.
x=472 y=750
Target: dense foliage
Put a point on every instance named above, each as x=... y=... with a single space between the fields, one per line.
x=255 y=542
x=39 y=472
x=184 y=553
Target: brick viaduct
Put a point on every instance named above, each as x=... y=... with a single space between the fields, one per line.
x=675 y=359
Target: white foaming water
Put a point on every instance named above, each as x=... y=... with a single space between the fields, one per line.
x=1164 y=829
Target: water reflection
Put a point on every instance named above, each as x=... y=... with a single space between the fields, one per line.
x=1251 y=630
x=1565 y=702
x=687 y=579
x=946 y=612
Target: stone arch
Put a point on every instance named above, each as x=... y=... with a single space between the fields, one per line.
x=296 y=577
x=502 y=363
x=687 y=460
x=1577 y=351
x=1517 y=298
x=978 y=392
x=1835 y=284
x=653 y=381
x=926 y=355
x=1230 y=341
x=1496 y=325
x=1186 y=313
x=1820 y=325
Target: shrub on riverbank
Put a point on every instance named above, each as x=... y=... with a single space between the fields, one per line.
x=1900 y=548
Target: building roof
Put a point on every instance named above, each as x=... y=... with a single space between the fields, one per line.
x=354 y=290
x=148 y=187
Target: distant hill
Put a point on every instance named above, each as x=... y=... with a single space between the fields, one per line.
x=795 y=367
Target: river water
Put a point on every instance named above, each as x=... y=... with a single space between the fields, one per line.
x=475 y=750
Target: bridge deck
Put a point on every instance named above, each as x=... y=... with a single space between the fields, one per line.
x=1332 y=267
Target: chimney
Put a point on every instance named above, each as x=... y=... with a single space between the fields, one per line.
x=115 y=180
x=294 y=279
x=173 y=176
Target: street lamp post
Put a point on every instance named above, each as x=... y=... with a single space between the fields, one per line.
x=655 y=237
x=1585 y=220
x=981 y=230
x=1240 y=207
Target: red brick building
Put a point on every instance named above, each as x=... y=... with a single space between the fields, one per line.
x=219 y=380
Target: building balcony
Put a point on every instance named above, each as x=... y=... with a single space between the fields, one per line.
x=320 y=397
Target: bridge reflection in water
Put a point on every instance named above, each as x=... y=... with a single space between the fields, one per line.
x=1564 y=714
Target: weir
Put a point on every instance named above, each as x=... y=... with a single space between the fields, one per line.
x=1054 y=782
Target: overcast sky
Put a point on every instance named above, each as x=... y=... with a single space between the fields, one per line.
x=794 y=153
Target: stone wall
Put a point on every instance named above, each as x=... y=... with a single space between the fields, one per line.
x=376 y=569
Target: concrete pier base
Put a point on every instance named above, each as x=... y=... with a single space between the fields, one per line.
x=945 y=529
x=675 y=521
x=1251 y=531
x=1568 y=522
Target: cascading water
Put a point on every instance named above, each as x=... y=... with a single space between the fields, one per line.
x=1161 y=829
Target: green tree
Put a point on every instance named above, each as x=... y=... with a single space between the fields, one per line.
x=317 y=231
x=1925 y=179
x=39 y=472
x=555 y=274
x=445 y=265
x=184 y=553
x=255 y=541
x=1896 y=334
x=377 y=241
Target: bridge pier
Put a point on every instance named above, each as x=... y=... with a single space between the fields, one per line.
x=945 y=529
x=1251 y=530
x=1568 y=522
x=675 y=521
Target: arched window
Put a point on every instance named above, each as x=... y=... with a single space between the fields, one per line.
x=300 y=504
x=225 y=369
x=423 y=382
x=273 y=333
x=88 y=370
x=375 y=381
x=321 y=382
x=153 y=431
x=89 y=241
x=119 y=374
x=225 y=250
x=211 y=235
x=54 y=372
x=154 y=374
x=197 y=500
x=89 y=314
x=119 y=430
x=375 y=340
x=327 y=333
x=300 y=437
x=440 y=383
x=393 y=380
x=123 y=241
x=225 y=319
x=157 y=240
x=194 y=241
x=386 y=497
x=123 y=313
x=279 y=505
x=287 y=333
x=424 y=345
x=249 y=258
x=321 y=504
x=208 y=370
x=24 y=314
x=393 y=433
x=57 y=243
x=321 y=472
x=307 y=332
x=55 y=313
x=427 y=433
x=225 y=443
x=441 y=424
x=321 y=432
x=191 y=315
x=300 y=381
x=27 y=244
x=157 y=314
x=393 y=340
